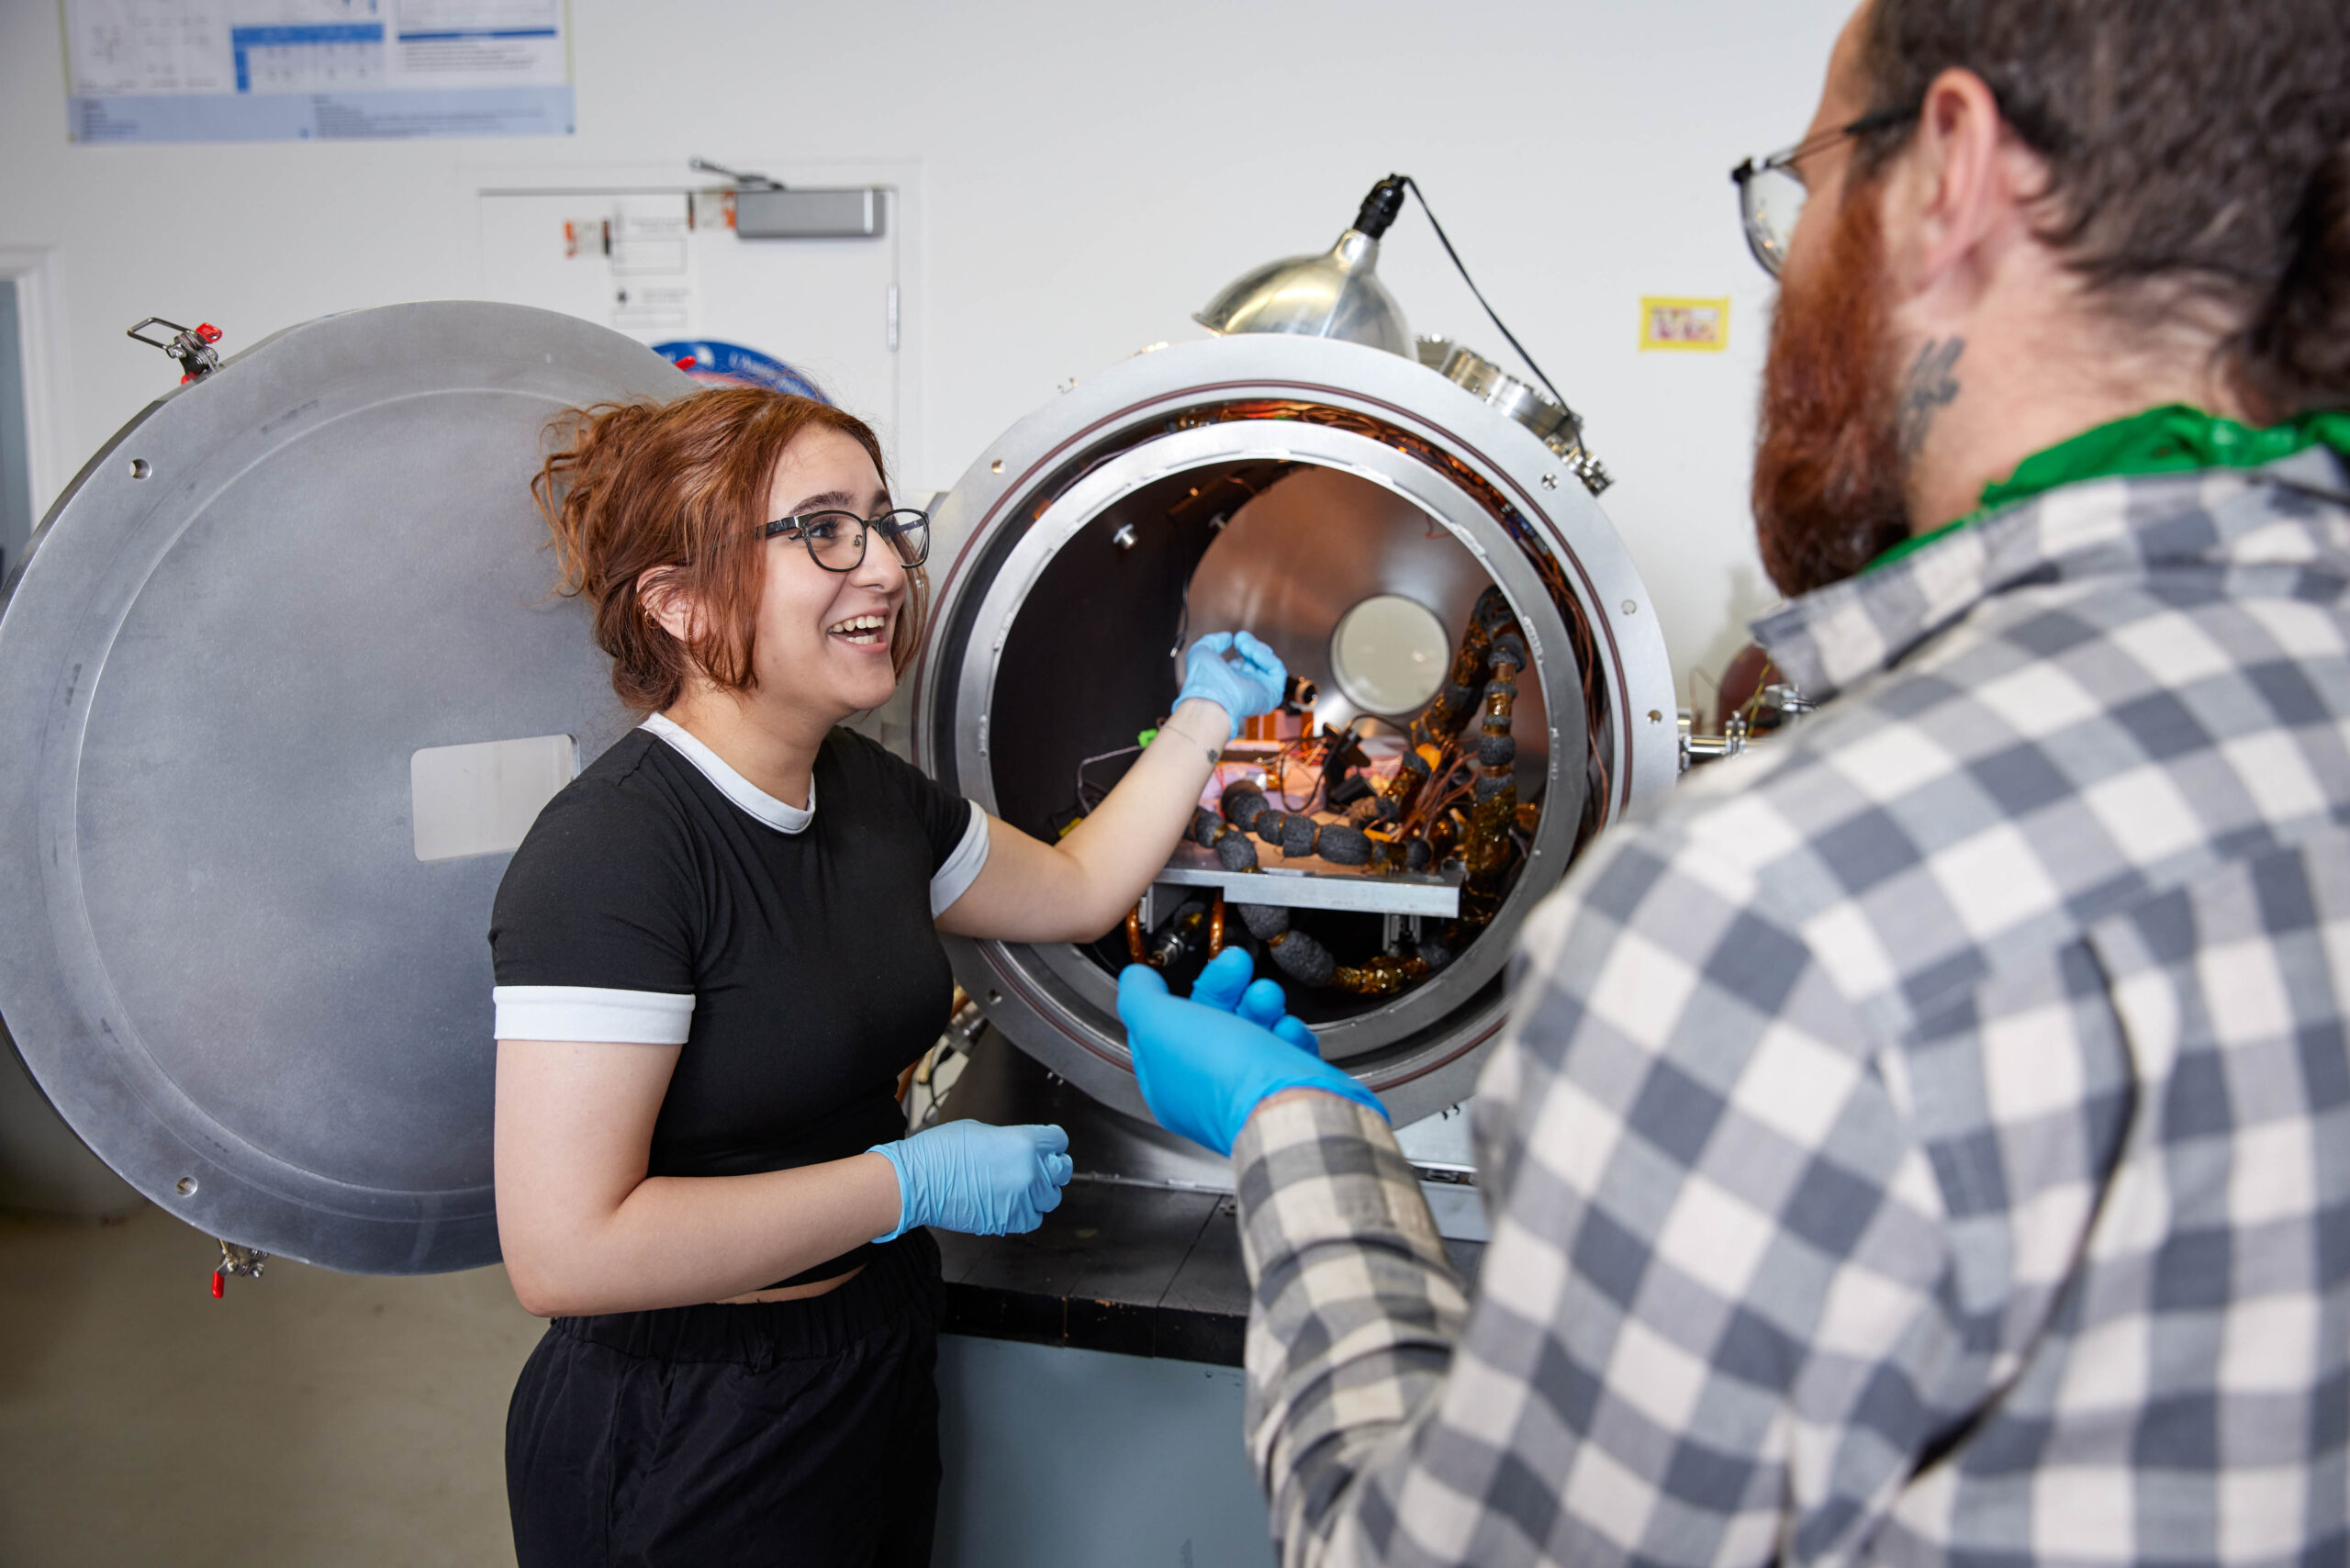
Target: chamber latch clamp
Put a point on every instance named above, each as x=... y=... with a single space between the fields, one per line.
x=1589 y=469
x=234 y=1260
x=190 y=346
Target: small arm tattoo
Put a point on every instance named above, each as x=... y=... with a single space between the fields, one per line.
x=1927 y=391
x=1213 y=754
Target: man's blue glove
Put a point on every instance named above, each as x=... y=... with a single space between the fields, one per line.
x=1251 y=683
x=1205 y=1064
x=979 y=1180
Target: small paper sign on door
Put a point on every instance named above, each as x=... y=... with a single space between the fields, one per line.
x=1687 y=326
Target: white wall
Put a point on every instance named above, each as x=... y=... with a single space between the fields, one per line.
x=1091 y=173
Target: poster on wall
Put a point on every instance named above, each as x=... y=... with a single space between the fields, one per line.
x=323 y=70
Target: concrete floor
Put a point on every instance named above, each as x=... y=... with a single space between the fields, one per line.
x=310 y=1417
x=313 y=1417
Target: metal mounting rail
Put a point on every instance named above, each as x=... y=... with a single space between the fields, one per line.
x=1315 y=883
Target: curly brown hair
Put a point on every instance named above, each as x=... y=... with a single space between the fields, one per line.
x=680 y=489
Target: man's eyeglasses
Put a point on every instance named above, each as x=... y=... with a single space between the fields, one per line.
x=835 y=540
x=1771 y=193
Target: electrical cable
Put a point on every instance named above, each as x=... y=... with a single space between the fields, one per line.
x=1279 y=774
x=1084 y=810
x=1413 y=186
x=1404 y=730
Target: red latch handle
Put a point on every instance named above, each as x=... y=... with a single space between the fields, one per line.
x=219 y=1285
x=206 y=332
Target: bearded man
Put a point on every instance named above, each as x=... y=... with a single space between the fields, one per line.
x=1927 y=1139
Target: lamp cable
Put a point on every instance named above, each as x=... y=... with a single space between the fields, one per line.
x=1442 y=238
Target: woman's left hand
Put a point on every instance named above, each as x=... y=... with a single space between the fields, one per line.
x=978 y=1179
x=1250 y=682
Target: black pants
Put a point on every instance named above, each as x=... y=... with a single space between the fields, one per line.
x=799 y=1433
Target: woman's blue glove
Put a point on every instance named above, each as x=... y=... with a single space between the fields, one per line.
x=979 y=1180
x=1251 y=683
x=1205 y=1064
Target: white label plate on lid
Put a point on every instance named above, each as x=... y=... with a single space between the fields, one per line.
x=481 y=799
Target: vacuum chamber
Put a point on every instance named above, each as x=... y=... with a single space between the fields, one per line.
x=285 y=682
x=1351 y=507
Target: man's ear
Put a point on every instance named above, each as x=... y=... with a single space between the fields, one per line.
x=1965 y=187
x=668 y=605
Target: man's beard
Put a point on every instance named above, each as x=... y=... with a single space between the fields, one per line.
x=1828 y=469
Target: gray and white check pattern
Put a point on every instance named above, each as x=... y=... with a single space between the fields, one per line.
x=1926 y=1139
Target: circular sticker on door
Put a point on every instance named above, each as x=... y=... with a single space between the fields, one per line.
x=715 y=362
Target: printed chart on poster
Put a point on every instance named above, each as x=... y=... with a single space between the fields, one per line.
x=667 y=267
x=296 y=70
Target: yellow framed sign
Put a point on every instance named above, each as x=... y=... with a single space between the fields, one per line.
x=1683 y=325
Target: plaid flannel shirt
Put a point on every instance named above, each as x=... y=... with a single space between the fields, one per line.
x=1925 y=1139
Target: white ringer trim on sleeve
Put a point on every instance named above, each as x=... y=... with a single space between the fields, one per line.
x=952 y=880
x=592 y=1012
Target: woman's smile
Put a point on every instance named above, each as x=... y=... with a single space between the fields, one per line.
x=866 y=630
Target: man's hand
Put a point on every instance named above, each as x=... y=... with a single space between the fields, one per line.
x=1205 y=1064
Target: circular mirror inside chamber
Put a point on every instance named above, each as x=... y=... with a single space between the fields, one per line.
x=1389 y=654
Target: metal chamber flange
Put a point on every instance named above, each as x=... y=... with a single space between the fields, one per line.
x=1274 y=483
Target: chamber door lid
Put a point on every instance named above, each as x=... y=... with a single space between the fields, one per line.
x=235 y=953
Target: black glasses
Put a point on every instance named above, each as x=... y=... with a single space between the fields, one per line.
x=1771 y=193
x=835 y=540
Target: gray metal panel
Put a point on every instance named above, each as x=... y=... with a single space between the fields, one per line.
x=221 y=958
x=1165 y=1475
x=855 y=212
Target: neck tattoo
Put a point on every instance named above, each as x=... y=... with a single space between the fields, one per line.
x=1927 y=391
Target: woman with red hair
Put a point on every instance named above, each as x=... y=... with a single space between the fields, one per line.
x=715 y=953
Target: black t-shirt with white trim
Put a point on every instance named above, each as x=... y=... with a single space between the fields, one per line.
x=662 y=898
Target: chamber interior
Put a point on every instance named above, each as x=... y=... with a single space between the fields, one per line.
x=1344 y=576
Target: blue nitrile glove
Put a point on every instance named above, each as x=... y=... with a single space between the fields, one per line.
x=1205 y=1064
x=979 y=1180
x=1251 y=683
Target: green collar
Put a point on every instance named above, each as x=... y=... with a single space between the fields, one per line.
x=2173 y=439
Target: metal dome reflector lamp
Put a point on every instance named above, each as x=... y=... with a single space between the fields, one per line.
x=1332 y=295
